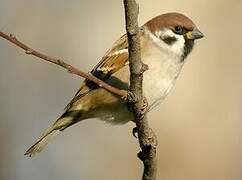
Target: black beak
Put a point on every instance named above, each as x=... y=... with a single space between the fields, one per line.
x=195 y=34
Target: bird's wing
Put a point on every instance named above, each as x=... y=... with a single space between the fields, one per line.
x=114 y=59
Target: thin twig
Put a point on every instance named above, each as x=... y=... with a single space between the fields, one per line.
x=147 y=138
x=59 y=62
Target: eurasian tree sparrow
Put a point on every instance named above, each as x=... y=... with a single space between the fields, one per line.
x=166 y=40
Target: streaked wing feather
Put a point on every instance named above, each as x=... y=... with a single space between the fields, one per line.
x=114 y=59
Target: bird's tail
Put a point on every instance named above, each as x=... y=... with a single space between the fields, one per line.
x=66 y=120
x=41 y=143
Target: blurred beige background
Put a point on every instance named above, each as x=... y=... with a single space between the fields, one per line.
x=198 y=126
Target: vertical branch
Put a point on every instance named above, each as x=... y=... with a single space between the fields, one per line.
x=147 y=138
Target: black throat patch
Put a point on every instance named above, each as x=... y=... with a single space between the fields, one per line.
x=189 y=44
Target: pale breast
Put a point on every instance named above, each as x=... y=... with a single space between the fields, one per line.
x=164 y=68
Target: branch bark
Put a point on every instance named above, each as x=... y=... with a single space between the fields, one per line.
x=147 y=138
x=73 y=70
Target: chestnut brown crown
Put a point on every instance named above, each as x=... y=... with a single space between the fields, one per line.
x=171 y=21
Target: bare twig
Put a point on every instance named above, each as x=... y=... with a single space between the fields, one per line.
x=63 y=64
x=147 y=138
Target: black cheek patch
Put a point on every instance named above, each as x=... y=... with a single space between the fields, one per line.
x=169 y=40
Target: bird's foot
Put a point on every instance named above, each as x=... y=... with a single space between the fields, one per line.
x=131 y=97
x=135 y=132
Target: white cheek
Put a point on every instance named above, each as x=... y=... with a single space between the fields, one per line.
x=175 y=48
x=178 y=47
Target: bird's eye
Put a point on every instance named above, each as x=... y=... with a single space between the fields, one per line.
x=178 y=29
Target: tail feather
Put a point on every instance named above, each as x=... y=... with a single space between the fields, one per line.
x=55 y=129
x=67 y=119
x=41 y=143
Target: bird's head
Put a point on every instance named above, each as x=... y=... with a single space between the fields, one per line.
x=175 y=32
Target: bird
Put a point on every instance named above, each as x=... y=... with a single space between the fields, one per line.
x=165 y=41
